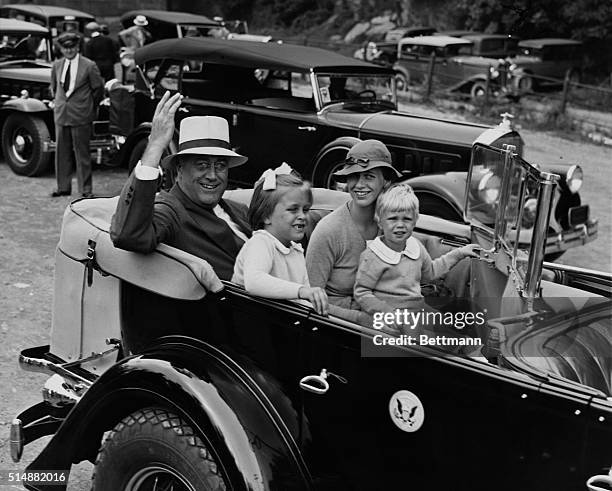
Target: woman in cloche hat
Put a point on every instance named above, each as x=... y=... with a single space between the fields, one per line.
x=332 y=257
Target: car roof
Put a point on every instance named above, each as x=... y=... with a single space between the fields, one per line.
x=488 y=36
x=168 y=16
x=14 y=25
x=539 y=43
x=254 y=54
x=438 y=41
x=47 y=10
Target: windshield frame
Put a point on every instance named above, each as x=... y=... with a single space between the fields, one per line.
x=323 y=104
x=23 y=37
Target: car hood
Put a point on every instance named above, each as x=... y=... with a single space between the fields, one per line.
x=39 y=73
x=404 y=125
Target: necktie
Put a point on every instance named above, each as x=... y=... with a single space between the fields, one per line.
x=66 y=82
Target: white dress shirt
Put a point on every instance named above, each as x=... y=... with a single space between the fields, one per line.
x=73 y=73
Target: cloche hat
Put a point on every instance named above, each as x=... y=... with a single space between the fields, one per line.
x=205 y=135
x=366 y=155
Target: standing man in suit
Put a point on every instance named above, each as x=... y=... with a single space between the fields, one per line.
x=77 y=88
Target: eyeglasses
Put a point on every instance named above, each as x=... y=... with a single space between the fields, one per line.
x=362 y=162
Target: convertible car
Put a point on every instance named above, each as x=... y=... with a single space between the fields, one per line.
x=168 y=378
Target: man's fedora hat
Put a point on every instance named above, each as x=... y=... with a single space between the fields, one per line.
x=366 y=155
x=205 y=135
x=141 y=20
x=68 y=39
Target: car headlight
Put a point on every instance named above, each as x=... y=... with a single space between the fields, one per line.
x=512 y=67
x=488 y=188
x=494 y=72
x=574 y=178
x=529 y=213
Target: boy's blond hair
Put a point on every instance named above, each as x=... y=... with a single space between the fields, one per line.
x=398 y=197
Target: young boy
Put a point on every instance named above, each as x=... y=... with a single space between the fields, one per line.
x=393 y=266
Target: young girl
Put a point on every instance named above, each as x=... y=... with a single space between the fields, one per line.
x=393 y=265
x=271 y=263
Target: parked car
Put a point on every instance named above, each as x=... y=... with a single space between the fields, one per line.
x=164 y=24
x=546 y=62
x=384 y=51
x=493 y=45
x=230 y=391
x=56 y=19
x=26 y=116
x=455 y=68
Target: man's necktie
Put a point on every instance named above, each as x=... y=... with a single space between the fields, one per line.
x=66 y=83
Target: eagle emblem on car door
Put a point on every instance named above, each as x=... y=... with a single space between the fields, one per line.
x=407 y=411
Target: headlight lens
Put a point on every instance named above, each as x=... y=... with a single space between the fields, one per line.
x=574 y=178
x=529 y=213
x=494 y=72
x=488 y=188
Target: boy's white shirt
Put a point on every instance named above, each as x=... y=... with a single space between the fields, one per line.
x=388 y=255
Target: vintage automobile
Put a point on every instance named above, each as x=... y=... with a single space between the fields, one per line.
x=26 y=116
x=455 y=67
x=546 y=62
x=492 y=45
x=168 y=378
x=319 y=103
x=386 y=48
x=164 y=24
x=56 y=19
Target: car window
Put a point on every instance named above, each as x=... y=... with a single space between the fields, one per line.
x=492 y=45
x=151 y=69
x=18 y=46
x=168 y=76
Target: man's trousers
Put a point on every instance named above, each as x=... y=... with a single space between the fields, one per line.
x=73 y=149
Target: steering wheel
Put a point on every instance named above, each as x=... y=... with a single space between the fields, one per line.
x=369 y=93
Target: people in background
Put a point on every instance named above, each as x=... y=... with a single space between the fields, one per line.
x=136 y=36
x=77 y=88
x=102 y=50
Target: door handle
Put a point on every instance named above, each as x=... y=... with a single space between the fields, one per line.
x=318 y=384
x=183 y=109
x=307 y=128
x=594 y=482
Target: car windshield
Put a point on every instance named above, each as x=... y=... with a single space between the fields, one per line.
x=24 y=46
x=199 y=30
x=334 y=88
x=528 y=51
x=506 y=203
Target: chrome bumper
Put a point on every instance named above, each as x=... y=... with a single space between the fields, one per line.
x=579 y=235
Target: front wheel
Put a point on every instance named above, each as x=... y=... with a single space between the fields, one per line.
x=524 y=84
x=401 y=82
x=478 y=91
x=155 y=449
x=23 y=139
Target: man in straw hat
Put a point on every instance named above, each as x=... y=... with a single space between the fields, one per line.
x=77 y=88
x=192 y=216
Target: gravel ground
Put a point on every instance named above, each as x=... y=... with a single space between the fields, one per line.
x=29 y=231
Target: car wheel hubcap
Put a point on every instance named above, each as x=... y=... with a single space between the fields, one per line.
x=22 y=146
x=332 y=183
x=158 y=478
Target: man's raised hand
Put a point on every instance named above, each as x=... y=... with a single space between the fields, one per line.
x=162 y=128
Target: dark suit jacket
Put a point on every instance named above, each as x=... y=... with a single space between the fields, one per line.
x=143 y=220
x=81 y=107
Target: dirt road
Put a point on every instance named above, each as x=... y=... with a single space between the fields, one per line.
x=29 y=231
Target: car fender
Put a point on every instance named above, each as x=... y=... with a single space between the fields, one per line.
x=342 y=144
x=448 y=187
x=26 y=105
x=201 y=384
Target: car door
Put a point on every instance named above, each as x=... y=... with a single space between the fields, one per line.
x=282 y=126
x=392 y=420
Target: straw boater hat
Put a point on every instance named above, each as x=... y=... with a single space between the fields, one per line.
x=205 y=135
x=141 y=20
x=366 y=155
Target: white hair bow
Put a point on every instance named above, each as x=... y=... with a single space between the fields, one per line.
x=269 y=176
